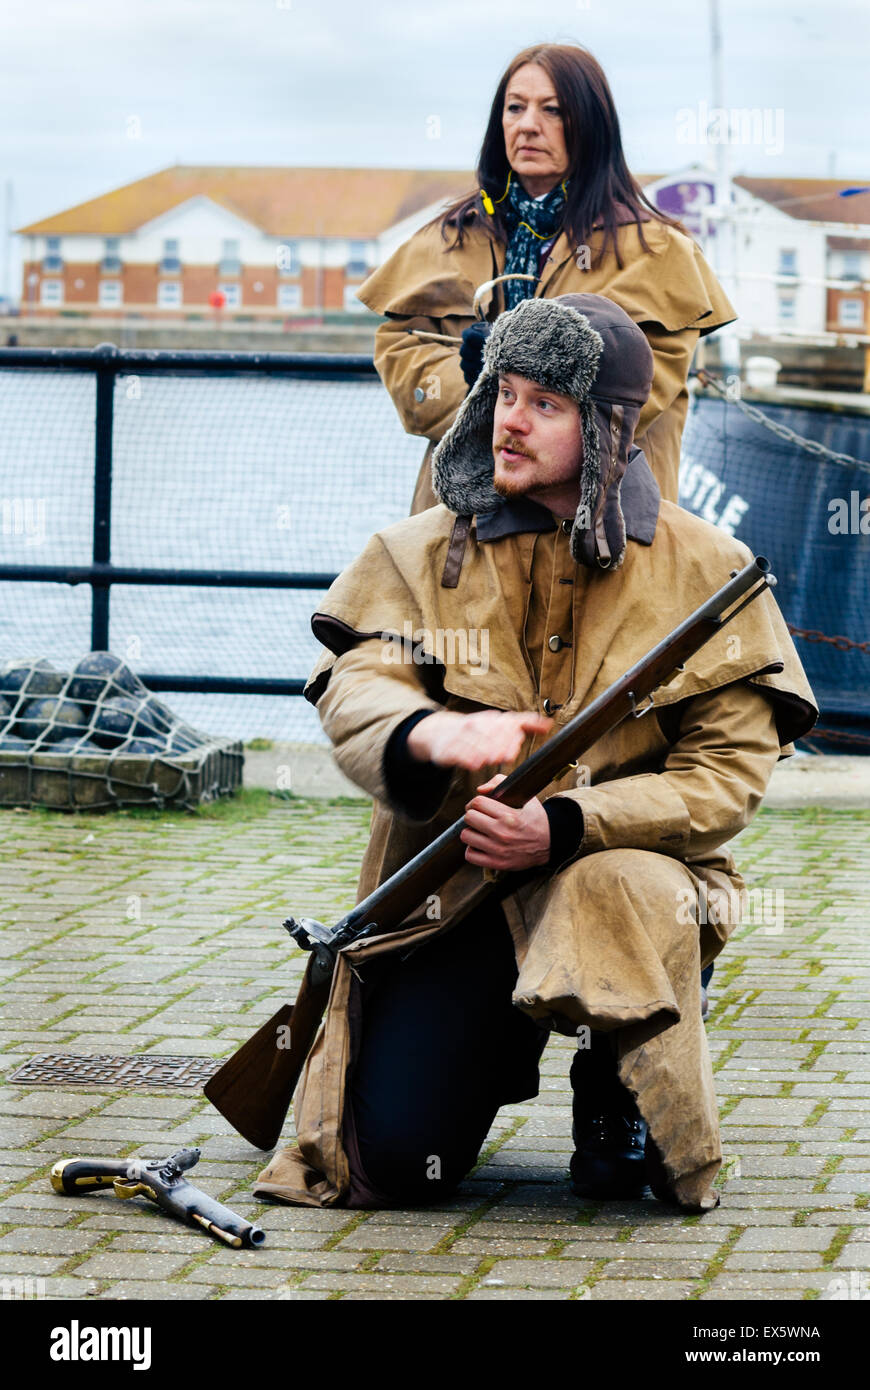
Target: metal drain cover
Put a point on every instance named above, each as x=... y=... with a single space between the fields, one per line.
x=138 y=1070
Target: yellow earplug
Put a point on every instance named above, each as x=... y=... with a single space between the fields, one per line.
x=487 y=201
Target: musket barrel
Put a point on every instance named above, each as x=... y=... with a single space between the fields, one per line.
x=446 y=853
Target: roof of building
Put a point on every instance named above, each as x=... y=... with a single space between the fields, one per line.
x=813 y=200
x=357 y=203
x=361 y=203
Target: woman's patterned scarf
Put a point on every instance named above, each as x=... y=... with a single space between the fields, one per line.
x=530 y=224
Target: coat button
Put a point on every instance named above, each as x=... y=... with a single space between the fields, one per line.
x=419 y=394
x=549 y=707
x=567 y=527
x=555 y=644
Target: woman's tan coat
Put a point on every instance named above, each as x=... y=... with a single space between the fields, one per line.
x=670 y=292
x=606 y=940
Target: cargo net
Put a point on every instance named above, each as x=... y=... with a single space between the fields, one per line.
x=95 y=738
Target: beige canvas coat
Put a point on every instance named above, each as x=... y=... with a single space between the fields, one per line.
x=670 y=292
x=605 y=940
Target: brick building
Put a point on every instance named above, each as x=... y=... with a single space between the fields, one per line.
x=799 y=248
x=279 y=242
x=274 y=242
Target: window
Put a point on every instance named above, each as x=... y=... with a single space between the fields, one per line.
x=52 y=292
x=170 y=262
x=230 y=264
x=787 y=308
x=52 y=260
x=287 y=257
x=289 y=296
x=350 y=300
x=357 y=261
x=787 y=262
x=232 y=295
x=169 y=294
x=111 y=254
x=851 y=314
x=110 y=293
x=853 y=265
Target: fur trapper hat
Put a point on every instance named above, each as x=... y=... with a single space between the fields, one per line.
x=580 y=345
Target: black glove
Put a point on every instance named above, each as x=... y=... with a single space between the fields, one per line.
x=471 y=351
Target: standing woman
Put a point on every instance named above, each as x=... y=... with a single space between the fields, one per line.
x=555 y=201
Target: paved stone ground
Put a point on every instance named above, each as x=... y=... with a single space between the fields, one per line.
x=128 y=935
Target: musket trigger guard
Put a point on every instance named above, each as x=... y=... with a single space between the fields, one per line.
x=638 y=713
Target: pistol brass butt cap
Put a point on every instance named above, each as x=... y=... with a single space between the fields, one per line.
x=57 y=1173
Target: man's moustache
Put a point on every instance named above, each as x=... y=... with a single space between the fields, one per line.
x=515 y=448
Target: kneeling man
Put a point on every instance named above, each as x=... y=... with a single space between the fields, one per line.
x=455 y=645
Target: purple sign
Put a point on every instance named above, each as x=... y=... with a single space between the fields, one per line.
x=687 y=201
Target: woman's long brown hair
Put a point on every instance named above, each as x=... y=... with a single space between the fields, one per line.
x=598 y=176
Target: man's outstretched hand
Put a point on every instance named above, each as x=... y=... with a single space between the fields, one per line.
x=473 y=740
x=496 y=836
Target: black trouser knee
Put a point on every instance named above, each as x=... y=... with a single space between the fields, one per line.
x=441 y=1047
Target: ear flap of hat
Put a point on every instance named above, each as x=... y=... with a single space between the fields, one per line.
x=582 y=532
x=462 y=464
x=598 y=537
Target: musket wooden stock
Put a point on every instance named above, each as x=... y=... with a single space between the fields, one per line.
x=254 y=1088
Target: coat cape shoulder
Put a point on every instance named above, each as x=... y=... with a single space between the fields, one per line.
x=393 y=591
x=670 y=284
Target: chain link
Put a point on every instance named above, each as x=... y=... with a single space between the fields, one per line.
x=835 y=736
x=843 y=644
x=811 y=446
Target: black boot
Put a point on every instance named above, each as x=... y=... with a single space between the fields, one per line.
x=608 y=1131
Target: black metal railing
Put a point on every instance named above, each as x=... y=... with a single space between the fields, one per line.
x=107 y=362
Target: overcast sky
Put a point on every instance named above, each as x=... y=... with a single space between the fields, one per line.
x=94 y=95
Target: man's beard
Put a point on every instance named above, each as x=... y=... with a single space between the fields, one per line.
x=507 y=487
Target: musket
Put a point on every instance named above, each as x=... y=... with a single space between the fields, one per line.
x=253 y=1089
x=162 y=1181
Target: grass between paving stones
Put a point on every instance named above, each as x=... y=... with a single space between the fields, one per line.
x=346 y=1230
x=832 y=1163
x=836 y=1245
x=728 y=1104
x=716 y=1264
x=821 y=1009
x=816 y=1051
x=726 y=1054
x=816 y=1113
x=249 y=803
x=588 y=1284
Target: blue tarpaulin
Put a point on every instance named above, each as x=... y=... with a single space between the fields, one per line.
x=810 y=516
